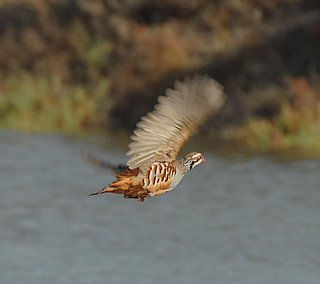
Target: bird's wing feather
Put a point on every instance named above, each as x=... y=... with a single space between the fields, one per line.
x=161 y=133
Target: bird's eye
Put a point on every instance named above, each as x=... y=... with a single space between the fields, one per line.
x=191 y=165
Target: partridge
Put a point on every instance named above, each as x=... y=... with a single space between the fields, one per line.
x=153 y=167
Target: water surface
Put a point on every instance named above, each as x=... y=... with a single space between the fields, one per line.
x=254 y=220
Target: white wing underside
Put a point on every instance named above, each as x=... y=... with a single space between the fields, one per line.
x=161 y=133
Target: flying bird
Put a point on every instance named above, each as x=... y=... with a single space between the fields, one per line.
x=153 y=167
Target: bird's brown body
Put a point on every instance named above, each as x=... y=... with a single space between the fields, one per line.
x=153 y=168
x=159 y=178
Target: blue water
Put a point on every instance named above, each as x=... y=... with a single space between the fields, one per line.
x=236 y=220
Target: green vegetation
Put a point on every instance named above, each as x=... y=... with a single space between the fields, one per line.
x=66 y=93
x=60 y=59
x=39 y=103
x=295 y=128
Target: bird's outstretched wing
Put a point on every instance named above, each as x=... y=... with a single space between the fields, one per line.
x=161 y=133
x=100 y=164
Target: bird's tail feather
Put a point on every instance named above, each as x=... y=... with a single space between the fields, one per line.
x=108 y=189
x=125 y=184
x=119 y=186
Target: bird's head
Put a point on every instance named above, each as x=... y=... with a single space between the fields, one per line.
x=192 y=159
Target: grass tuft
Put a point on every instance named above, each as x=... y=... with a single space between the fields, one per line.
x=296 y=127
x=38 y=103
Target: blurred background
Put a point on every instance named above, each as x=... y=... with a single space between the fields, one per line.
x=76 y=75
